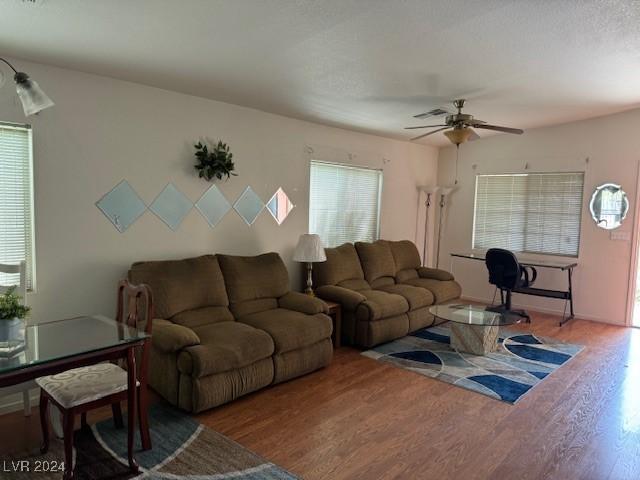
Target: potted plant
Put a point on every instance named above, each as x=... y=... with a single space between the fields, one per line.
x=12 y=315
x=216 y=162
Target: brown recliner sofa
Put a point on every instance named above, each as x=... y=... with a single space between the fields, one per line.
x=225 y=326
x=384 y=291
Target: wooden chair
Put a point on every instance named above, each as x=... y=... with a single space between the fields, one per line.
x=82 y=389
x=21 y=289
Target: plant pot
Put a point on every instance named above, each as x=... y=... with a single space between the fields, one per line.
x=11 y=331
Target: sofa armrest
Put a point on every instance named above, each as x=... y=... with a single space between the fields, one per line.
x=170 y=337
x=349 y=299
x=434 y=273
x=302 y=303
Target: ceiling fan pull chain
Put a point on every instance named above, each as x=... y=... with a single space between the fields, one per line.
x=457 y=156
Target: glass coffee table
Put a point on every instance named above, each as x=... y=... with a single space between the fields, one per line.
x=474 y=328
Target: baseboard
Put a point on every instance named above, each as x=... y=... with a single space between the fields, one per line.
x=13 y=402
x=551 y=311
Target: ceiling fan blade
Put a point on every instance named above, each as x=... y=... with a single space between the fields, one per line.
x=473 y=136
x=426 y=126
x=432 y=113
x=430 y=133
x=486 y=126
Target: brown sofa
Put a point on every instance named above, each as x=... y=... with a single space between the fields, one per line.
x=384 y=291
x=227 y=325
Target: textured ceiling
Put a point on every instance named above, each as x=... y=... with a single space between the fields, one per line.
x=368 y=65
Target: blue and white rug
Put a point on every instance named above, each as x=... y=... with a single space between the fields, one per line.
x=521 y=361
x=183 y=449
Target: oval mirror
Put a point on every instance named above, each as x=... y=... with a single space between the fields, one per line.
x=609 y=206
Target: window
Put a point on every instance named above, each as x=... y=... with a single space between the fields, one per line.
x=16 y=200
x=536 y=212
x=344 y=203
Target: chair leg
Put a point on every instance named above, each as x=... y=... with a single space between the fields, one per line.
x=83 y=420
x=117 y=415
x=26 y=403
x=143 y=419
x=68 y=422
x=44 y=421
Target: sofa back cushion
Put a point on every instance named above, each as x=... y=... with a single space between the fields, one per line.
x=342 y=265
x=407 y=259
x=180 y=285
x=254 y=282
x=377 y=262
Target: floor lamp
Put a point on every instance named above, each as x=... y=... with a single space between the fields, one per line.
x=429 y=192
x=444 y=192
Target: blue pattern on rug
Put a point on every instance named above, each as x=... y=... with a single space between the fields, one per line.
x=520 y=362
x=509 y=390
x=538 y=354
x=424 y=356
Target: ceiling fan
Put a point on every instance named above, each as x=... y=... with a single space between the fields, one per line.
x=459 y=123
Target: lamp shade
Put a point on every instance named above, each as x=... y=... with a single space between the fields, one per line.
x=309 y=249
x=31 y=95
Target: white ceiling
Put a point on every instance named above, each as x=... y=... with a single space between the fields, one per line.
x=368 y=65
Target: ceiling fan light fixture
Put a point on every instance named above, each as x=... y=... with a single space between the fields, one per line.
x=458 y=135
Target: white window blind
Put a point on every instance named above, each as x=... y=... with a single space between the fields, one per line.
x=16 y=201
x=344 y=203
x=536 y=212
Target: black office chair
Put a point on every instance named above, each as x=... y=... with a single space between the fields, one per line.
x=506 y=273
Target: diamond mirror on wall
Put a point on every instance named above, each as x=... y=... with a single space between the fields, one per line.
x=213 y=205
x=171 y=206
x=122 y=206
x=249 y=205
x=280 y=206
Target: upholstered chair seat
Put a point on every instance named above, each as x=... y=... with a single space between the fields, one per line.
x=85 y=384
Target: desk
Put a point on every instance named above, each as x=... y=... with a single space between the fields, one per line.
x=55 y=347
x=557 y=264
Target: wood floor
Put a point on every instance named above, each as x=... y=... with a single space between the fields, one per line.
x=360 y=419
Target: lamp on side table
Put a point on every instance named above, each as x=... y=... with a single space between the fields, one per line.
x=309 y=250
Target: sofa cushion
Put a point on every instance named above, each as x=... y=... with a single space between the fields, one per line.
x=224 y=346
x=253 y=278
x=379 y=304
x=290 y=330
x=443 y=291
x=405 y=254
x=355 y=284
x=342 y=264
x=180 y=285
x=416 y=296
x=202 y=316
x=376 y=260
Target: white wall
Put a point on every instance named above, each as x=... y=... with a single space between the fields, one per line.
x=612 y=146
x=104 y=130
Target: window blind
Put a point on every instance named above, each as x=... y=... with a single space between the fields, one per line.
x=16 y=201
x=535 y=213
x=344 y=203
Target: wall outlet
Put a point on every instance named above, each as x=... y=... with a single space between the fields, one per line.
x=621 y=236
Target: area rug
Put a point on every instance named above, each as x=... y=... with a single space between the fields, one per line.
x=182 y=449
x=521 y=361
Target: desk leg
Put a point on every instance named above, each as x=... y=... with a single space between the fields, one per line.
x=570 y=299
x=131 y=407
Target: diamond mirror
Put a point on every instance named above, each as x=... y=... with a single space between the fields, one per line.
x=280 y=206
x=213 y=205
x=171 y=206
x=249 y=205
x=122 y=206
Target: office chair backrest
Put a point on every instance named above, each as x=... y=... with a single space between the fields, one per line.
x=504 y=268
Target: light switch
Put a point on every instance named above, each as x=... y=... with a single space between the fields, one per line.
x=620 y=236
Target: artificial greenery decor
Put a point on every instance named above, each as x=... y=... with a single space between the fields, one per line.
x=10 y=306
x=216 y=162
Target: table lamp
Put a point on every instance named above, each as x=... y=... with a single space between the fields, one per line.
x=309 y=250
